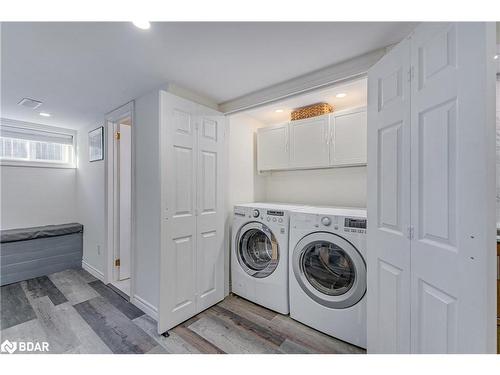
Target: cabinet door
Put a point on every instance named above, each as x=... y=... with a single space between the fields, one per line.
x=272 y=148
x=348 y=141
x=309 y=143
x=210 y=211
x=388 y=203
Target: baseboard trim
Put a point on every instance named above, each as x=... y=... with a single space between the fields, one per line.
x=92 y=270
x=145 y=306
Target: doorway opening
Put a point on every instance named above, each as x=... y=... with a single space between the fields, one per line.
x=119 y=174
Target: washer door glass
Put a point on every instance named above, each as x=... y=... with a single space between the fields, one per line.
x=258 y=252
x=328 y=268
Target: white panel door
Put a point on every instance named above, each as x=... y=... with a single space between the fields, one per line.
x=178 y=201
x=348 y=138
x=388 y=203
x=125 y=199
x=210 y=211
x=309 y=143
x=449 y=254
x=272 y=148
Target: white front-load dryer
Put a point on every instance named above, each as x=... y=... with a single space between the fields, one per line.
x=259 y=256
x=327 y=277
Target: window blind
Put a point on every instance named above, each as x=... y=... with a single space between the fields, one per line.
x=29 y=134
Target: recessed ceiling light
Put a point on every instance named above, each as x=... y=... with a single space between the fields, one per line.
x=495 y=57
x=144 y=25
x=341 y=95
x=45 y=114
x=279 y=111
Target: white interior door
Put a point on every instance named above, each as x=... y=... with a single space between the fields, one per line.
x=388 y=203
x=210 y=215
x=125 y=199
x=309 y=143
x=450 y=162
x=178 y=190
x=192 y=233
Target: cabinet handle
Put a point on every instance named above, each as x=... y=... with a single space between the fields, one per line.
x=286 y=139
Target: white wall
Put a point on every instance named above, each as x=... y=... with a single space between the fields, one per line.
x=147 y=197
x=244 y=185
x=90 y=204
x=321 y=187
x=37 y=196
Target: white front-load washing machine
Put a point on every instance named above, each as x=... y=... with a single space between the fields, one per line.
x=328 y=271
x=259 y=256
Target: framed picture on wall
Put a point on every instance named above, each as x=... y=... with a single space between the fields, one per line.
x=96 y=144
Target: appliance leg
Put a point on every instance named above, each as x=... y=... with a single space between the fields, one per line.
x=165 y=334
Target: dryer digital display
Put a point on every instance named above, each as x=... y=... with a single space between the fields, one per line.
x=355 y=223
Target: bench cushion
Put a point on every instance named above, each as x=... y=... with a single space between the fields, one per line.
x=23 y=234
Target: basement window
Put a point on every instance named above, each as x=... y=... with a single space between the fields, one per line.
x=36 y=146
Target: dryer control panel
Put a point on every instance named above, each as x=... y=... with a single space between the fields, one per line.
x=354 y=225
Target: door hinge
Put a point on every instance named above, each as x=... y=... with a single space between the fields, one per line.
x=411 y=74
x=411 y=232
x=117 y=262
x=117 y=136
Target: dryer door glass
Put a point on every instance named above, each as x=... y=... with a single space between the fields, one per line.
x=258 y=251
x=328 y=268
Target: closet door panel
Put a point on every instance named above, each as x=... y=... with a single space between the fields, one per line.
x=388 y=203
x=449 y=193
x=178 y=140
x=210 y=210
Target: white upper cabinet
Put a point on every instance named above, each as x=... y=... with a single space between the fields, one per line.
x=309 y=143
x=348 y=138
x=272 y=148
x=334 y=140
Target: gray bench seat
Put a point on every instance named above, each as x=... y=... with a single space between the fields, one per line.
x=26 y=253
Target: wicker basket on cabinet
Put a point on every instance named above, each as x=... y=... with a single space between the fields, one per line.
x=312 y=110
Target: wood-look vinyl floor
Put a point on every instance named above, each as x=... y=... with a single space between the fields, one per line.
x=76 y=313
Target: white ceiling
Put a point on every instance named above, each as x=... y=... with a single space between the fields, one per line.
x=356 y=97
x=83 y=70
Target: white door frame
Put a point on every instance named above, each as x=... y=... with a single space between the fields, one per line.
x=111 y=229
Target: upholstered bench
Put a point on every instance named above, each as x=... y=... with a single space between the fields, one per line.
x=26 y=253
